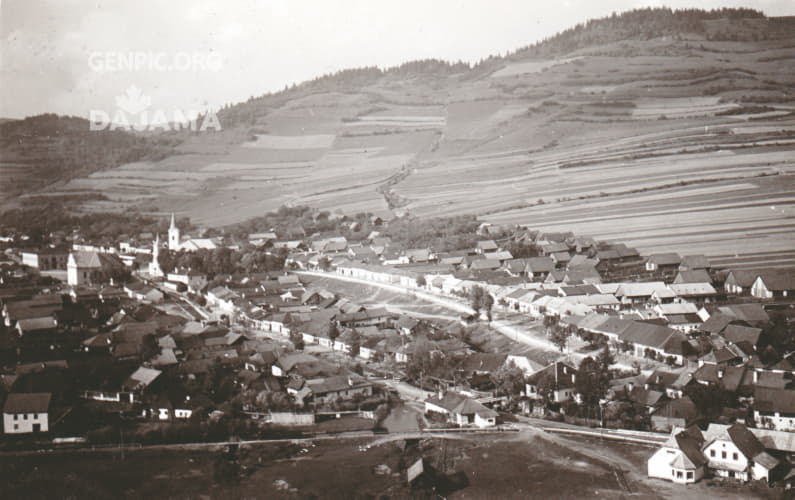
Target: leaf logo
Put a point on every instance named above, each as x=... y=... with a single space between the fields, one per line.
x=133 y=101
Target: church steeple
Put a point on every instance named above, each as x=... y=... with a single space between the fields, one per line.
x=173 y=235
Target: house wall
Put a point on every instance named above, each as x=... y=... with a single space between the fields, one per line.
x=659 y=467
x=665 y=424
x=430 y=407
x=76 y=276
x=562 y=395
x=724 y=455
x=760 y=472
x=178 y=413
x=343 y=394
x=775 y=420
x=22 y=423
x=484 y=422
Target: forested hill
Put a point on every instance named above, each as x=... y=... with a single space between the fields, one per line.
x=46 y=149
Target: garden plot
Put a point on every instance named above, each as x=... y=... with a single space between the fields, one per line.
x=530 y=67
x=679 y=107
x=265 y=141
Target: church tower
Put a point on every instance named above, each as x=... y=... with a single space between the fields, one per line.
x=173 y=235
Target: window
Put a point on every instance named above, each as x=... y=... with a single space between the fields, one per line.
x=690 y=475
x=35 y=416
x=734 y=456
x=25 y=416
x=679 y=474
x=712 y=453
x=723 y=454
x=16 y=417
x=16 y=427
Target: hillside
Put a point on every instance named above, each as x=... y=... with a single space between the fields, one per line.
x=668 y=131
x=41 y=150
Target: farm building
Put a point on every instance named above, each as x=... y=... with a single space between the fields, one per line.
x=663 y=262
x=695 y=276
x=774 y=285
x=695 y=263
x=739 y=282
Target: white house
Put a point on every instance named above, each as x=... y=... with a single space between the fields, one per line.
x=680 y=459
x=461 y=410
x=735 y=452
x=726 y=451
x=774 y=409
x=558 y=379
x=26 y=413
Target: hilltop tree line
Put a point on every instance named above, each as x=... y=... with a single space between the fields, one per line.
x=638 y=24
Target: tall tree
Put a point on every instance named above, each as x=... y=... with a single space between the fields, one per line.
x=558 y=336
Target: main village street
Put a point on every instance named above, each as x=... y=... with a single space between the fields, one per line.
x=500 y=322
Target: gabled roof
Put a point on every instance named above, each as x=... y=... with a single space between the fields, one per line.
x=141 y=378
x=743 y=277
x=483 y=362
x=539 y=264
x=660 y=377
x=462 y=405
x=552 y=248
x=689 y=442
x=487 y=245
x=639 y=289
x=774 y=400
x=751 y=312
x=337 y=383
x=693 y=276
x=780 y=280
x=36 y=402
x=745 y=440
x=485 y=264
x=406 y=322
x=728 y=377
x=738 y=333
x=36 y=324
x=693 y=262
x=665 y=259
x=562 y=375
x=716 y=323
x=648 y=334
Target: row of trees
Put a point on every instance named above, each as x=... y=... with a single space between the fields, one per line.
x=224 y=260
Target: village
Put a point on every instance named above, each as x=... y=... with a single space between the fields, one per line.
x=352 y=329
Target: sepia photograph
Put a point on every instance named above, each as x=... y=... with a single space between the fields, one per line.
x=381 y=249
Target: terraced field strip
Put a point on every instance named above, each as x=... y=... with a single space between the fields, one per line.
x=319 y=141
